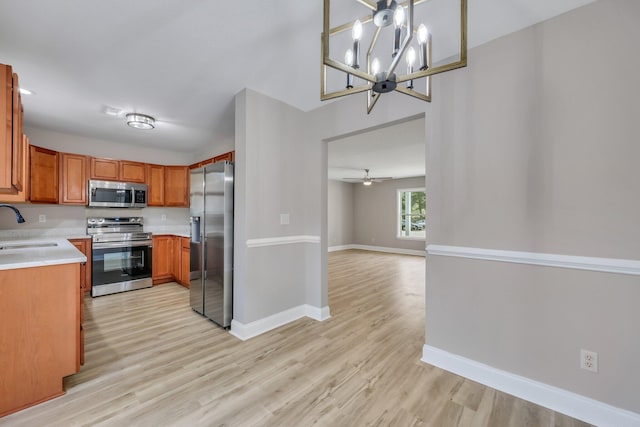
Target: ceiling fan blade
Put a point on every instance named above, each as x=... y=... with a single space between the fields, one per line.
x=352 y=179
x=380 y=178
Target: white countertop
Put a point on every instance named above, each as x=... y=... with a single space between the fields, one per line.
x=62 y=253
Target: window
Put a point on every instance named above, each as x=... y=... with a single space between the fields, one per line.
x=411 y=213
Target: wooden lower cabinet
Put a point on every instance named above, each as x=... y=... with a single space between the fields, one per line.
x=185 y=261
x=162 y=264
x=41 y=333
x=170 y=259
x=84 y=246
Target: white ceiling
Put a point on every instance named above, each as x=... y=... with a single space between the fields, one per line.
x=183 y=61
x=396 y=151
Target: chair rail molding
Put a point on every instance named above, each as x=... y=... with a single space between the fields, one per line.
x=283 y=240
x=607 y=265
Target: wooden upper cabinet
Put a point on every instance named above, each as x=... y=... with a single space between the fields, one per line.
x=6 y=129
x=11 y=135
x=230 y=157
x=117 y=170
x=176 y=186
x=17 y=167
x=132 y=171
x=155 y=182
x=22 y=196
x=73 y=179
x=226 y=156
x=104 y=169
x=43 y=175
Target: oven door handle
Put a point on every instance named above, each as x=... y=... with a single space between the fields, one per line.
x=125 y=244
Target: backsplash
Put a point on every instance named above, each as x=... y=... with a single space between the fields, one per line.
x=70 y=221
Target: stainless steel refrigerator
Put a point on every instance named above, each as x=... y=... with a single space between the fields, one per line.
x=211 y=220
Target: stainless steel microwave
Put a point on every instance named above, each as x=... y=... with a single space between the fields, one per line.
x=112 y=194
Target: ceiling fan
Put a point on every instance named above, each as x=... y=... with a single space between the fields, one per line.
x=368 y=180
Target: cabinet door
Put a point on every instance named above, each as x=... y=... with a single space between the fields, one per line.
x=17 y=168
x=175 y=259
x=162 y=259
x=6 y=129
x=155 y=182
x=23 y=195
x=132 y=171
x=43 y=175
x=104 y=169
x=84 y=246
x=185 y=261
x=81 y=245
x=176 y=186
x=73 y=179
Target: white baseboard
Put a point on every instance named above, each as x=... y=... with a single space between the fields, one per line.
x=339 y=248
x=563 y=401
x=378 y=249
x=317 y=313
x=258 y=327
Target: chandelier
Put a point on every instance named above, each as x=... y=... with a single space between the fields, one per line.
x=403 y=42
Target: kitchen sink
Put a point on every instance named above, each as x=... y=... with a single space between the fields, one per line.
x=34 y=245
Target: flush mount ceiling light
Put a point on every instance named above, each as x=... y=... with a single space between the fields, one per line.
x=140 y=121
x=403 y=46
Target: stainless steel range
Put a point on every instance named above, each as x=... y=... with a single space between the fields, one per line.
x=121 y=255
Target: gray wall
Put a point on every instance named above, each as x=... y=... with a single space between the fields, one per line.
x=340 y=209
x=534 y=147
x=270 y=181
x=71 y=220
x=376 y=214
x=102 y=148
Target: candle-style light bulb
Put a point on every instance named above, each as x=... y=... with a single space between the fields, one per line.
x=356 y=33
x=398 y=16
x=423 y=34
x=423 y=38
x=411 y=59
x=398 y=20
x=411 y=56
x=375 y=66
x=348 y=59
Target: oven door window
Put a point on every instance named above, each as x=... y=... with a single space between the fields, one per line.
x=113 y=265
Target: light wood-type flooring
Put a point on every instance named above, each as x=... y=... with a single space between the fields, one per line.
x=151 y=361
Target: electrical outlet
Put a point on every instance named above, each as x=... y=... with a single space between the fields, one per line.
x=284 y=219
x=589 y=360
x=42 y=218
x=163 y=217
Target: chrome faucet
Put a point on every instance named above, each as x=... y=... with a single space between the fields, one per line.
x=19 y=217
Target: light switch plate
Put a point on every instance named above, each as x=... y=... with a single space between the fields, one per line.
x=284 y=219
